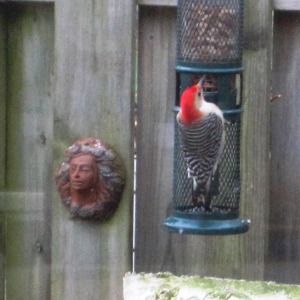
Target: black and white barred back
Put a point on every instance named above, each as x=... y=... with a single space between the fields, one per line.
x=202 y=143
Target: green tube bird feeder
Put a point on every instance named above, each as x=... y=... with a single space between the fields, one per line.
x=209 y=42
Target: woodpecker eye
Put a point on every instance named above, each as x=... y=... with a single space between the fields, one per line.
x=199 y=94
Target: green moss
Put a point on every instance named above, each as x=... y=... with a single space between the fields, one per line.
x=167 y=286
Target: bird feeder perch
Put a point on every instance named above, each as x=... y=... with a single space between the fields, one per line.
x=209 y=42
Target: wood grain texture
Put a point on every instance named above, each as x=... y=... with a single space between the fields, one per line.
x=156 y=94
x=157 y=250
x=256 y=135
x=290 y=5
x=29 y=1
x=2 y=137
x=2 y=95
x=158 y=2
x=2 y=142
x=94 y=96
x=283 y=254
x=26 y=204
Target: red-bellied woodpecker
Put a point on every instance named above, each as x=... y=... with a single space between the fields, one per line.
x=202 y=136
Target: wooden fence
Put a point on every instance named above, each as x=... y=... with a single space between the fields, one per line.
x=67 y=70
x=69 y=74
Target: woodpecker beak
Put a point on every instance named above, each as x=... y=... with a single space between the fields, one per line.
x=201 y=81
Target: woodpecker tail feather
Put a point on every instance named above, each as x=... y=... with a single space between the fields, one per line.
x=203 y=192
x=215 y=183
x=201 y=196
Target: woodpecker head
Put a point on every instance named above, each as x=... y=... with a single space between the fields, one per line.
x=190 y=103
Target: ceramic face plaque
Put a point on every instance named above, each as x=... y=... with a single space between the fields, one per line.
x=90 y=180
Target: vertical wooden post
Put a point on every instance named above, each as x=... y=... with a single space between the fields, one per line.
x=256 y=136
x=284 y=243
x=2 y=95
x=2 y=137
x=26 y=201
x=94 y=97
x=156 y=99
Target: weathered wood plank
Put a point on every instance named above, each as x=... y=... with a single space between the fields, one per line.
x=284 y=247
x=278 y=4
x=13 y=202
x=2 y=138
x=2 y=96
x=156 y=86
x=256 y=136
x=291 y=5
x=158 y=2
x=29 y=1
x=156 y=250
x=30 y=59
x=94 y=96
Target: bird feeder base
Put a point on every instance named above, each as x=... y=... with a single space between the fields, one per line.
x=206 y=224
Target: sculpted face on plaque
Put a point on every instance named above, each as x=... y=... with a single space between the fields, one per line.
x=83 y=177
x=90 y=180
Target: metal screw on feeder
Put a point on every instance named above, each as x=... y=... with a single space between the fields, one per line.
x=209 y=42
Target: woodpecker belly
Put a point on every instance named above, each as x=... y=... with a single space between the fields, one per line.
x=202 y=143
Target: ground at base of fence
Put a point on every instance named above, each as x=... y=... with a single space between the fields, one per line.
x=165 y=286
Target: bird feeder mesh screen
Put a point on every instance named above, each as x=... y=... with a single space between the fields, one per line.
x=210 y=31
x=225 y=187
